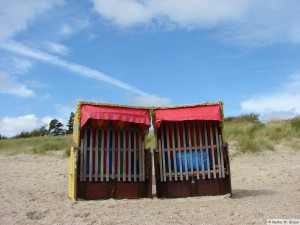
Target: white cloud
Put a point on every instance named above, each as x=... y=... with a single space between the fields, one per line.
x=15 y=65
x=245 y=22
x=150 y=100
x=143 y=98
x=64 y=110
x=187 y=13
x=15 y=14
x=23 y=50
x=9 y=85
x=282 y=104
x=22 y=65
x=57 y=48
x=10 y=126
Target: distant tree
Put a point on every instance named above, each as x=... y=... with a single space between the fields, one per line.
x=42 y=131
x=70 y=123
x=55 y=128
x=2 y=137
x=23 y=134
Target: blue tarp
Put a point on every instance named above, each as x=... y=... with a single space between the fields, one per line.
x=189 y=160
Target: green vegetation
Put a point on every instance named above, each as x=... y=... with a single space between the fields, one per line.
x=252 y=135
x=246 y=132
x=36 y=145
x=151 y=140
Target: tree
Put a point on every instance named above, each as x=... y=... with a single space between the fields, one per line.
x=2 y=137
x=70 y=123
x=55 y=128
x=42 y=131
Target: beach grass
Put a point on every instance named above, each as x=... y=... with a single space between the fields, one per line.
x=35 y=145
x=249 y=134
x=255 y=136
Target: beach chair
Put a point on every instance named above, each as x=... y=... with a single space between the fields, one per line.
x=108 y=157
x=190 y=158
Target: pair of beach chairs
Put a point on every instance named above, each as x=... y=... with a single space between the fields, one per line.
x=110 y=157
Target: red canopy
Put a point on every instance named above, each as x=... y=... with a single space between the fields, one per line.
x=205 y=112
x=114 y=113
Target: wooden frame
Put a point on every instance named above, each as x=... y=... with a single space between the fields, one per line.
x=200 y=162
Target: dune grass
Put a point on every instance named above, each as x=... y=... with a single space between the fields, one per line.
x=35 y=145
x=249 y=134
x=254 y=136
x=151 y=140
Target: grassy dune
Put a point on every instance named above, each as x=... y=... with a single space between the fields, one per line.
x=253 y=136
x=245 y=133
x=36 y=145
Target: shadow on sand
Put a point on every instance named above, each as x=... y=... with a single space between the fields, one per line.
x=242 y=193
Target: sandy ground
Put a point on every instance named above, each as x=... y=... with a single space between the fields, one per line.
x=33 y=190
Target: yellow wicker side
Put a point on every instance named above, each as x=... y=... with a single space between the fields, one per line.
x=72 y=175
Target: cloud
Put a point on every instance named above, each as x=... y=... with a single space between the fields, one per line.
x=191 y=13
x=15 y=65
x=10 y=126
x=9 y=85
x=245 y=22
x=15 y=15
x=23 y=50
x=150 y=100
x=64 y=110
x=142 y=97
x=282 y=104
x=57 y=48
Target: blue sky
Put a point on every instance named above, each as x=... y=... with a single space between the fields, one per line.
x=55 y=53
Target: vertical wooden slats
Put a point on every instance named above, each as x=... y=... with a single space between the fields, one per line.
x=129 y=156
x=113 y=154
x=102 y=156
x=91 y=155
x=168 y=149
x=84 y=154
x=134 y=155
x=160 y=160
x=107 y=155
x=113 y=151
x=201 y=148
x=179 y=152
x=212 y=148
x=174 y=150
x=140 y=156
x=218 y=150
x=185 y=157
x=196 y=148
x=163 y=154
x=222 y=156
x=124 y=155
x=207 y=150
x=119 y=155
x=96 y=155
x=190 y=145
x=143 y=162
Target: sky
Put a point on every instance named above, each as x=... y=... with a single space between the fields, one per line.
x=55 y=53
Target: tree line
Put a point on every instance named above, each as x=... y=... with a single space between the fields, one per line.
x=54 y=128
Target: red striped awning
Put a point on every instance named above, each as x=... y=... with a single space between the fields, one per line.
x=205 y=112
x=115 y=113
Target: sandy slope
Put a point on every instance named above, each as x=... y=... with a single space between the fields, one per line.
x=33 y=190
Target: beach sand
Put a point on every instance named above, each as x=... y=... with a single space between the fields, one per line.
x=34 y=190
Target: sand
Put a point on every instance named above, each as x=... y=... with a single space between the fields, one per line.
x=33 y=190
